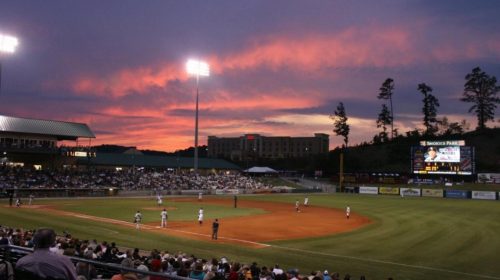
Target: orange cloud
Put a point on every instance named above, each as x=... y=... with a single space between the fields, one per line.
x=369 y=46
x=137 y=80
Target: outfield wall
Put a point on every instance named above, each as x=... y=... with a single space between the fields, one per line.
x=425 y=192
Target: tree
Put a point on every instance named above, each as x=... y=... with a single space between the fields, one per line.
x=451 y=128
x=384 y=119
x=386 y=91
x=341 y=128
x=430 y=109
x=482 y=90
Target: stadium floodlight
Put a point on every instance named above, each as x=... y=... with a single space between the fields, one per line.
x=197 y=68
x=8 y=43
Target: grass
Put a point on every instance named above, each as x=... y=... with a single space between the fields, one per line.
x=411 y=238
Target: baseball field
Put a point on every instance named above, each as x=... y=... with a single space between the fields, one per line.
x=385 y=236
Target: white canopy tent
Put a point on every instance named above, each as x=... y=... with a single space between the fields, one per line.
x=260 y=170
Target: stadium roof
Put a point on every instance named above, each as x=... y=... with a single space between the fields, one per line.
x=61 y=130
x=138 y=160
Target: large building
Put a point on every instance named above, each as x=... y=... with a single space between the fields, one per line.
x=256 y=146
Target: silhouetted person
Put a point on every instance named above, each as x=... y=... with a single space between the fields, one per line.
x=44 y=263
x=215 y=229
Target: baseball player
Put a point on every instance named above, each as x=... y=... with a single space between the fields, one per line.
x=164 y=217
x=200 y=196
x=297 y=204
x=137 y=219
x=306 y=201
x=347 y=212
x=159 y=200
x=200 y=216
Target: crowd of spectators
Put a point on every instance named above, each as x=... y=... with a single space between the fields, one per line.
x=164 y=262
x=127 y=179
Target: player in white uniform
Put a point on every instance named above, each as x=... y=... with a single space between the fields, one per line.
x=200 y=216
x=347 y=211
x=164 y=217
x=297 y=204
x=200 y=196
x=31 y=199
x=306 y=201
x=137 y=219
x=159 y=200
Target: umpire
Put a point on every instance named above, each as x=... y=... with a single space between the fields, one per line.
x=215 y=229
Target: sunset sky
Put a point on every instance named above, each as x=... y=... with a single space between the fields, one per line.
x=278 y=68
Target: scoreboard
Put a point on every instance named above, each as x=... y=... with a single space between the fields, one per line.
x=443 y=157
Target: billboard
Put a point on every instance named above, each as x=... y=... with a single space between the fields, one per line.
x=457 y=194
x=484 y=195
x=388 y=190
x=409 y=192
x=432 y=192
x=443 y=157
x=368 y=190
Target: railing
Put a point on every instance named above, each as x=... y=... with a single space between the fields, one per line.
x=13 y=253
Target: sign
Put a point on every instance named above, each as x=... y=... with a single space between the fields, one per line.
x=432 y=192
x=489 y=178
x=410 y=192
x=368 y=190
x=227 y=191
x=484 y=195
x=457 y=194
x=388 y=190
x=443 y=143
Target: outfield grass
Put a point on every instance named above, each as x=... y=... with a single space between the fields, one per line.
x=411 y=238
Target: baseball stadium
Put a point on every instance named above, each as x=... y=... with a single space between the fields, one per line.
x=412 y=230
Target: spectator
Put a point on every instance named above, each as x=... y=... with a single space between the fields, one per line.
x=326 y=276
x=197 y=273
x=142 y=276
x=44 y=263
x=86 y=269
x=126 y=275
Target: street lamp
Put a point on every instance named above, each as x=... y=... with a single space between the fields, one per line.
x=8 y=44
x=197 y=68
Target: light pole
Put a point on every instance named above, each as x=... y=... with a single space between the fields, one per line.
x=8 y=44
x=197 y=68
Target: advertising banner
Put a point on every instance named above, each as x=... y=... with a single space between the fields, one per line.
x=388 y=190
x=368 y=190
x=489 y=178
x=410 y=192
x=457 y=194
x=484 y=195
x=227 y=191
x=432 y=192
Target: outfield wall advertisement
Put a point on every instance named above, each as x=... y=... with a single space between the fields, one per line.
x=388 y=190
x=484 y=195
x=457 y=194
x=410 y=192
x=432 y=192
x=227 y=191
x=368 y=190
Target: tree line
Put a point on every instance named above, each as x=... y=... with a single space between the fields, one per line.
x=480 y=89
